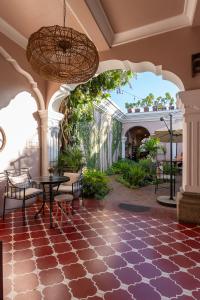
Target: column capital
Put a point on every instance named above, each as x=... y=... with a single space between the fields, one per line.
x=188 y=101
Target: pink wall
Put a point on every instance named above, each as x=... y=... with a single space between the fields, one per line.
x=171 y=50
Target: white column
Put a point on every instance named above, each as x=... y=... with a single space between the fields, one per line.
x=190 y=104
x=188 y=200
x=124 y=138
x=43 y=114
x=54 y=119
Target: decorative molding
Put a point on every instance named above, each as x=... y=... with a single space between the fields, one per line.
x=169 y=24
x=13 y=34
x=139 y=68
x=29 y=78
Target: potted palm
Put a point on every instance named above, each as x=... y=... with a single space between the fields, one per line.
x=170 y=100
x=147 y=102
x=137 y=106
x=129 y=107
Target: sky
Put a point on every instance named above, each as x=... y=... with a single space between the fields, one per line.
x=145 y=83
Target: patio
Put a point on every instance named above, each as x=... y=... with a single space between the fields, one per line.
x=107 y=253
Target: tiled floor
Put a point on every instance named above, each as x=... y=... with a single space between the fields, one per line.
x=106 y=254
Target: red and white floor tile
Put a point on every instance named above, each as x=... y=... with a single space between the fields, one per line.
x=104 y=254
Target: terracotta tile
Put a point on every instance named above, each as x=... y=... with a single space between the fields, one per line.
x=22 y=254
x=150 y=253
x=133 y=257
x=185 y=280
x=22 y=229
x=153 y=231
x=67 y=258
x=121 y=247
x=97 y=225
x=95 y=266
x=166 y=287
x=195 y=271
x=36 y=227
x=178 y=236
x=5 y=231
x=57 y=239
x=152 y=241
x=21 y=236
x=183 y=297
x=196 y=294
x=106 y=281
x=57 y=292
x=114 y=238
x=118 y=295
x=166 y=265
x=83 y=227
x=94 y=298
x=86 y=254
x=79 y=244
x=127 y=236
x=182 y=261
x=7 y=247
x=165 y=229
x=22 y=245
x=6 y=239
x=137 y=244
x=191 y=233
x=82 y=288
x=38 y=234
x=33 y=295
x=96 y=241
x=148 y=270
x=74 y=236
x=180 y=247
x=40 y=242
x=104 y=250
x=43 y=251
x=62 y=247
x=130 y=227
x=115 y=261
x=25 y=282
x=46 y=262
x=194 y=255
x=128 y=275
x=165 y=250
x=22 y=267
x=165 y=238
x=7 y=270
x=192 y=243
x=143 y=291
x=74 y=271
x=50 y=276
x=7 y=286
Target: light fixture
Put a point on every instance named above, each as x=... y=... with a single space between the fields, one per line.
x=62 y=54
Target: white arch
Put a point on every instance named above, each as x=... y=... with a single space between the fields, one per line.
x=107 y=65
x=18 y=68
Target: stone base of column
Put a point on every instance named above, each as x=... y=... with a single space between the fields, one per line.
x=188 y=207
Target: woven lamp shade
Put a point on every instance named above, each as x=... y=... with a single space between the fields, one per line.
x=62 y=54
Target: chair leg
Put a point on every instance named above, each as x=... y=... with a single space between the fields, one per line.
x=23 y=213
x=4 y=207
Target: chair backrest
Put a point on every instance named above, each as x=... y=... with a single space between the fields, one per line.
x=73 y=177
x=18 y=177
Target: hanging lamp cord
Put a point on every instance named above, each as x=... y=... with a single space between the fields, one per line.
x=64 y=12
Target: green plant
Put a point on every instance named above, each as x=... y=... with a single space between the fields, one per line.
x=119 y=167
x=135 y=175
x=151 y=146
x=128 y=105
x=167 y=168
x=95 y=184
x=71 y=159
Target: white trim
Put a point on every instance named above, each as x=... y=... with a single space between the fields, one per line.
x=13 y=34
x=18 y=68
x=166 y=25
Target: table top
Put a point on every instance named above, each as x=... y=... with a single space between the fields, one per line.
x=50 y=179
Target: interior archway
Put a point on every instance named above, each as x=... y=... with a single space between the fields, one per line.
x=134 y=136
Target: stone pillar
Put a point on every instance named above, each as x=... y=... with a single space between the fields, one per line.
x=54 y=119
x=188 y=200
x=124 y=138
x=43 y=114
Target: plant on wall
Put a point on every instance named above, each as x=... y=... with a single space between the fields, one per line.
x=79 y=105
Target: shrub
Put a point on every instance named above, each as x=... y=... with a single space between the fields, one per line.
x=71 y=160
x=95 y=184
x=119 y=167
x=135 y=175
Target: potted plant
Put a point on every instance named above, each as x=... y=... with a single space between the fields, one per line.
x=147 y=102
x=170 y=100
x=155 y=105
x=137 y=106
x=129 y=107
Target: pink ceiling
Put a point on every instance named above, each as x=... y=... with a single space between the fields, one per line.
x=124 y=15
x=27 y=16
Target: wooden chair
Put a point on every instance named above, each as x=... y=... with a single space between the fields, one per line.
x=19 y=187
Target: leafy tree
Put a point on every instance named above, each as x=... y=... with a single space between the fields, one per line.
x=151 y=146
x=79 y=105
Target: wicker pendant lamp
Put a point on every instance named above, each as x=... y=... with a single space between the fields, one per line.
x=62 y=54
